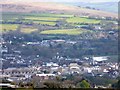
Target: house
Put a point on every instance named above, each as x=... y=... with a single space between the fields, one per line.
x=99 y=59
x=4 y=76
x=45 y=76
x=4 y=50
x=111 y=32
x=51 y=64
x=74 y=68
x=7 y=85
x=33 y=43
x=97 y=27
x=19 y=71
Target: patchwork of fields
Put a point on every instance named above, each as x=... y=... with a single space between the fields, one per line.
x=11 y=21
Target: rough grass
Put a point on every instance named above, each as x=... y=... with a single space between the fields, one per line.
x=64 y=31
x=24 y=89
x=82 y=20
x=28 y=30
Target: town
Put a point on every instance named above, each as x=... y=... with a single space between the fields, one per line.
x=69 y=47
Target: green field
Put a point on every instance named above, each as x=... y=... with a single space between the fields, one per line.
x=52 y=23
x=50 y=15
x=46 y=18
x=45 y=22
x=82 y=20
x=8 y=27
x=42 y=18
x=64 y=31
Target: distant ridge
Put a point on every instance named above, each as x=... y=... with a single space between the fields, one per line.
x=9 y=6
x=105 y=6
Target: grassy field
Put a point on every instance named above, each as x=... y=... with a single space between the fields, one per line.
x=42 y=18
x=52 y=23
x=8 y=27
x=50 y=15
x=46 y=18
x=82 y=20
x=39 y=18
x=64 y=31
x=28 y=30
x=10 y=15
x=48 y=23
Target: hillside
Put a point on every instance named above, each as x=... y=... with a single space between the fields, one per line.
x=110 y=6
x=52 y=8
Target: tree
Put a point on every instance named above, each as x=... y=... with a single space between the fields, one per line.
x=52 y=85
x=61 y=23
x=84 y=84
x=116 y=85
